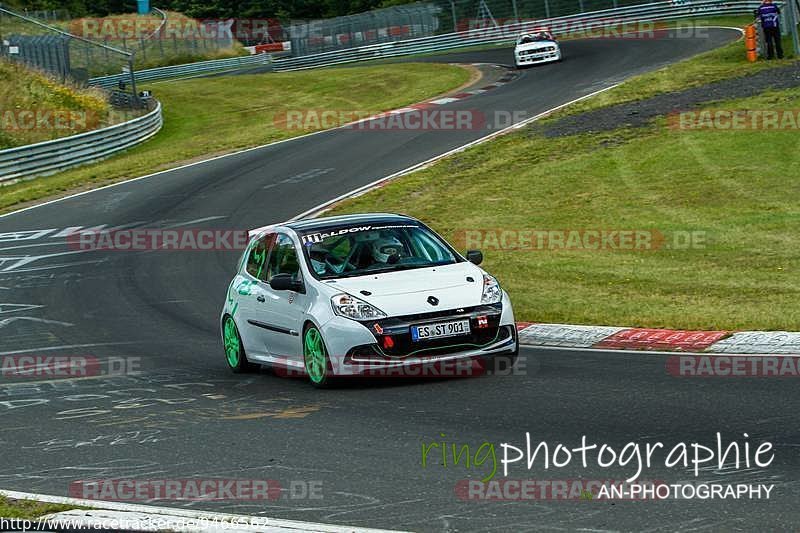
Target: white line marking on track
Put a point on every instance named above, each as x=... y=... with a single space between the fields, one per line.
x=198 y=221
x=442 y=101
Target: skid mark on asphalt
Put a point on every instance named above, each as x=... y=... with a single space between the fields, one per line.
x=289 y=412
x=303 y=176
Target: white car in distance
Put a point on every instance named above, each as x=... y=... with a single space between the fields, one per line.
x=535 y=48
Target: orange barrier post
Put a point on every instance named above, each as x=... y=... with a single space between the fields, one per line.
x=750 y=37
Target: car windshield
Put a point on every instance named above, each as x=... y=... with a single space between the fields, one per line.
x=349 y=251
x=534 y=37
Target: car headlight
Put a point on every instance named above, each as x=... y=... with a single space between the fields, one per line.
x=351 y=307
x=492 y=293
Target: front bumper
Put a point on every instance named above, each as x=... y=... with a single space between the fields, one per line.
x=539 y=57
x=361 y=348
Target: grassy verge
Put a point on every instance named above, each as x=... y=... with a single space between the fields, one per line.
x=727 y=211
x=27 y=509
x=208 y=116
x=726 y=62
x=34 y=108
x=186 y=56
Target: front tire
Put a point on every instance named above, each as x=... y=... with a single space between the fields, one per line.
x=234 y=350
x=315 y=358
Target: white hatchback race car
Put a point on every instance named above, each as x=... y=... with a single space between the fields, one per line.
x=361 y=294
x=535 y=48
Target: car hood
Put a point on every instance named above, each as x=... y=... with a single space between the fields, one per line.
x=407 y=291
x=535 y=46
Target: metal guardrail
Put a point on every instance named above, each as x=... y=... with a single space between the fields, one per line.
x=59 y=154
x=187 y=70
x=653 y=12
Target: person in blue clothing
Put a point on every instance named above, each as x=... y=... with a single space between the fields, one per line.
x=769 y=15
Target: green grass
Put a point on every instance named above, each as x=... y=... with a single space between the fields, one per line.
x=209 y=116
x=741 y=200
x=27 y=509
x=154 y=58
x=25 y=94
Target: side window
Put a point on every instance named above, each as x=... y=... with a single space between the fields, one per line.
x=283 y=259
x=257 y=258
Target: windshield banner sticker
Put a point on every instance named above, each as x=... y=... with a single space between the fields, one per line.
x=313 y=238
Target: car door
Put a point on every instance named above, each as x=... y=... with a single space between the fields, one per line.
x=252 y=299
x=285 y=311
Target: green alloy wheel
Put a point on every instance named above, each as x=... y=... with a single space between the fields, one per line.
x=234 y=351
x=316 y=360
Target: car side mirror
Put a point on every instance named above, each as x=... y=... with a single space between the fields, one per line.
x=475 y=257
x=285 y=282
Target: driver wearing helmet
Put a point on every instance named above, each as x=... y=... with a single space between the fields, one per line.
x=385 y=248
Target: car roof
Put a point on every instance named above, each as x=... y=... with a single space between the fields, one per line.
x=304 y=226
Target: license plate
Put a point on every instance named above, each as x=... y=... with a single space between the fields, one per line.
x=439 y=330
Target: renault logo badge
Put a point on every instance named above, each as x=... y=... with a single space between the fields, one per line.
x=433 y=300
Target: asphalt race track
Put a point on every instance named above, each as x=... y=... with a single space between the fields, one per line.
x=184 y=415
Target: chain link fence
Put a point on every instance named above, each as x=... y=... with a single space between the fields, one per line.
x=377 y=26
x=161 y=38
x=48 y=15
